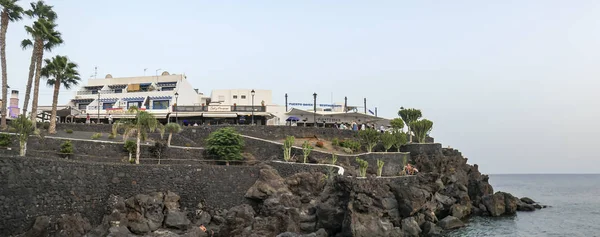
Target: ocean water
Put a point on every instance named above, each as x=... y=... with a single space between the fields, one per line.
x=575 y=211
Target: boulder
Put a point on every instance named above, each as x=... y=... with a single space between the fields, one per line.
x=527 y=200
x=119 y=231
x=430 y=229
x=171 y=201
x=510 y=204
x=460 y=211
x=319 y=233
x=40 y=227
x=495 y=204
x=411 y=227
x=72 y=226
x=268 y=184
x=521 y=206
x=450 y=223
x=176 y=219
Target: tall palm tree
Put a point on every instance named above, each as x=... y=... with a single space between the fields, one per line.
x=11 y=11
x=143 y=123
x=46 y=37
x=59 y=71
x=38 y=10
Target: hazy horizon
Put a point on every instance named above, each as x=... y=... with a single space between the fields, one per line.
x=510 y=84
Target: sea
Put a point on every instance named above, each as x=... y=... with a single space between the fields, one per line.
x=574 y=211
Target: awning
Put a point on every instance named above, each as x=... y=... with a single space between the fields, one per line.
x=167 y=84
x=160 y=97
x=134 y=99
x=82 y=100
x=292 y=119
x=145 y=84
x=93 y=87
x=120 y=86
x=207 y=115
x=108 y=100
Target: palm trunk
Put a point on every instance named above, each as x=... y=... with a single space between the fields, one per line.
x=169 y=139
x=52 y=128
x=23 y=145
x=409 y=136
x=29 y=80
x=36 y=85
x=137 y=151
x=4 y=25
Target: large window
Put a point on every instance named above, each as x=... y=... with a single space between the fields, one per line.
x=243 y=97
x=134 y=103
x=82 y=106
x=118 y=90
x=160 y=104
x=107 y=105
x=235 y=96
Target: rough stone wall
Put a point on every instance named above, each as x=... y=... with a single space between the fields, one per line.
x=426 y=148
x=288 y=169
x=33 y=187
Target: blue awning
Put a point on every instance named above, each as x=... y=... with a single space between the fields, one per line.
x=160 y=97
x=145 y=84
x=82 y=100
x=294 y=119
x=108 y=100
x=133 y=99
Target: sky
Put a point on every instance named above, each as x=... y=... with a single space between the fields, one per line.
x=512 y=84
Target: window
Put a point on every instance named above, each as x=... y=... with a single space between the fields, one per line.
x=168 y=88
x=235 y=96
x=107 y=105
x=118 y=90
x=134 y=103
x=243 y=97
x=160 y=104
x=94 y=92
x=83 y=106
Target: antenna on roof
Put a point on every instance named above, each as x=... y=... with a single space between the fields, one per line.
x=95 y=72
x=145 y=71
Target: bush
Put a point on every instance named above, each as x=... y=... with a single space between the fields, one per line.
x=12 y=130
x=111 y=136
x=188 y=145
x=369 y=138
x=351 y=144
x=362 y=167
x=335 y=142
x=225 y=144
x=46 y=125
x=96 y=136
x=5 y=140
x=130 y=147
x=421 y=128
x=388 y=140
x=66 y=149
x=319 y=144
x=69 y=131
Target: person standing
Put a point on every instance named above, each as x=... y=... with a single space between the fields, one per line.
x=87 y=118
x=110 y=119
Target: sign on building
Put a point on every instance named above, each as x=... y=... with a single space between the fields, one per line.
x=217 y=108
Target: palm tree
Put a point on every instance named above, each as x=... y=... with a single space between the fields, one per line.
x=45 y=37
x=38 y=10
x=143 y=123
x=59 y=71
x=10 y=12
x=172 y=128
x=409 y=116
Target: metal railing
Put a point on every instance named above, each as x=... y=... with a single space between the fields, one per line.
x=244 y=108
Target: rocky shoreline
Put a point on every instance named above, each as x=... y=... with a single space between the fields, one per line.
x=446 y=193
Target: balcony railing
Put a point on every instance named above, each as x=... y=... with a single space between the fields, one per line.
x=244 y=108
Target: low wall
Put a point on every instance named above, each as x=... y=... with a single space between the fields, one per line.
x=32 y=187
x=287 y=169
x=425 y=148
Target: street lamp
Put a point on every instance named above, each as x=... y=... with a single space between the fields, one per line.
x=176 y=109
x=315 y=109
x=98 y=121
x=286 y=103
x=252 y=93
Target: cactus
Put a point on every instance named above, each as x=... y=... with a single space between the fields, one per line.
x=287 y=148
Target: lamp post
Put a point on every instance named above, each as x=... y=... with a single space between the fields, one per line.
x=315 y=109
x=346 y=104
x=98 y=120
x=252 y=93
x=365 y=105
x=176 y=109
x=286 y=103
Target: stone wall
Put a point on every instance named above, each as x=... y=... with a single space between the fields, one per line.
x=426 y=148
x=287 y=169
x=31 y=187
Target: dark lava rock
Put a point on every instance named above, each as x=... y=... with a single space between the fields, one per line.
x=319 y=233
x=411 y=227
x=495 y=204
x=176 y=219
x=40 y=227
x=430 y=229
x=527 y=200
x=450 y=223
x=72 y=226
x=460 y=211
x=511 y=204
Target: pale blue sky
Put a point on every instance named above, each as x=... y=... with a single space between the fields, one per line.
x=511 y=84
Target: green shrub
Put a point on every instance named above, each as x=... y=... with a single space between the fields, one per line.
x=335 y=142
x=66 y=149
x=46 y=125
x=287 y=148
x=400 y=138
x=188 y=145
x=5 y=140
x=369 y=138
x=362 y=167
x=225 y=144
x=380 y=164
x=334 y=158
x=69 y=131
x=96 y=136
x=421 y=128
x=351 y=144
x=319 y=144
x=12 y=130
x=111 y=136
x=306 y=149
x=388 y=140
